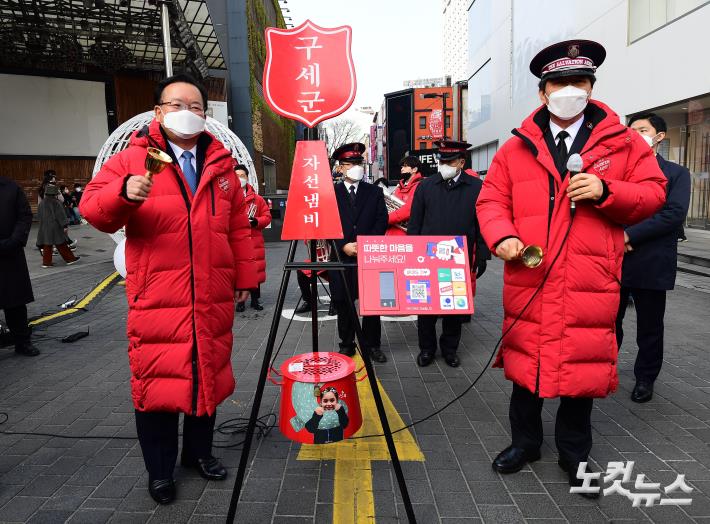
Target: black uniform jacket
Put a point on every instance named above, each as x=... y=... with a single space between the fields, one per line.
x=652 y=263
x=443 y=209
x=367 y=217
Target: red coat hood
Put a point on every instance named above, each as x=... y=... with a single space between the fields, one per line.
x=604 y=121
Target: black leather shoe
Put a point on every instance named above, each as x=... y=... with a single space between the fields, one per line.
x=452 y=360
x=240 y=307
x=209 y=468
x=255 y=304
x=348 y=352
x=305 y=307
x=162 y=491
x=27 y=349
x=512 y=460
x=377 y=355
x=576 y=482
x=643 y=392
x=424 y=359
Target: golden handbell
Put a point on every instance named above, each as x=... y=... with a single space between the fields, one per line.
x=155 y=162
x=531 y=256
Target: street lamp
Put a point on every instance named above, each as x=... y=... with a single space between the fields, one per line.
x=443 y=97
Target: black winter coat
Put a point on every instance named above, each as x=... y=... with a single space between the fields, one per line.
x=652 y=263
x=367 y=217
x=15 y=223
x=438 y=209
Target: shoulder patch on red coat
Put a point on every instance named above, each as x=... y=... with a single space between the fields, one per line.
x=223 y=183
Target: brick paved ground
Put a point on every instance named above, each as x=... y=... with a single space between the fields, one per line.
x=82 y=389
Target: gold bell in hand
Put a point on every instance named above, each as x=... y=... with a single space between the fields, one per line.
x=155 y=162
x=531 y=256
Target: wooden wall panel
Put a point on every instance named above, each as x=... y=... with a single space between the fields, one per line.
x=28 y=173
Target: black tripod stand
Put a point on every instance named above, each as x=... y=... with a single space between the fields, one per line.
x=315 y=266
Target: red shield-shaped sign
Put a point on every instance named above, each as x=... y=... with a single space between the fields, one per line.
x=309 y=74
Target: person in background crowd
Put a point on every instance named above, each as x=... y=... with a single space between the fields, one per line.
x=52 y=230
x=559 y=317
x=259 y=217
x=410 y=168
x=445 y=204
x=15 y=284
x=362 y=212
x=650 y=262
x=49 y=178
x=70 y=206
x=188 y=252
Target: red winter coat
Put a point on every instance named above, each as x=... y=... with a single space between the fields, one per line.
x=404 y=192
x=564 y=344
x=185 y=257
x=263 y=219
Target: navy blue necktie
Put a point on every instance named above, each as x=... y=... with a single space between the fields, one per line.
x=189 y=171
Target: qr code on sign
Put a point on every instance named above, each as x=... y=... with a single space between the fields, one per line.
x=418 y=291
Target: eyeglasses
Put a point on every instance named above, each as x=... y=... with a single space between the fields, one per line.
x=176 y=105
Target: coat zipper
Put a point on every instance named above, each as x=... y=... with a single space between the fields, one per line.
x=212 y=196
x=195 y=385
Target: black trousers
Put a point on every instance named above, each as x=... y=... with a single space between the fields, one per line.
x=304 y=284
x=450 y=333
x=650 y=307
x=573 y=426
x=371 y=327
x=158 y=437
x=16 y=319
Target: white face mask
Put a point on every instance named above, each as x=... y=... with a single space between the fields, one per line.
x=355 y=173
x=243 y=181
x=448 y=172
x=650 y=140
x=184 y=124
x=567 y=102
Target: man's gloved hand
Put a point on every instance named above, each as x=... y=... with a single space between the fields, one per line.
x=481 y=266
x=253 y=222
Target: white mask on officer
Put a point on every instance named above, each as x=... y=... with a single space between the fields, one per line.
x=567 y=102
x=355 y=173
x=448 y=172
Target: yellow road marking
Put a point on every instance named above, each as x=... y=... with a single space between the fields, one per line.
x=353 y=500
x=91 y=295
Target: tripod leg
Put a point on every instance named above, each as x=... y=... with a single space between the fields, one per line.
x=378 y=401
x=314 y=297
x=260 y=387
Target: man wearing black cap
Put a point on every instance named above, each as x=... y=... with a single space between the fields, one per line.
x=445 y=204
x=559 y=317
x=362 y=212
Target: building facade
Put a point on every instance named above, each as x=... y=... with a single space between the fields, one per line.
x=455 y=38
x=643 y=71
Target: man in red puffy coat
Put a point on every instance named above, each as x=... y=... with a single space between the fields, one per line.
x=259 y=217
x=562 y=343
x=188 y=250
x=410 y=167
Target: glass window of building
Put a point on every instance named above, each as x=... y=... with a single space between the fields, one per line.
x=422 y=122
x=479 y=95
x=687 y=143
x=482 y=156
x=646 y=16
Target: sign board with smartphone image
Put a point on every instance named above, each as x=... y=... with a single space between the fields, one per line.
x=414 y=275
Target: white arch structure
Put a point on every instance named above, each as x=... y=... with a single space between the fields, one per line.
x=118 y=141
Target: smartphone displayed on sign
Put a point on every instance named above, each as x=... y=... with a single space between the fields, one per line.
x=388 y=295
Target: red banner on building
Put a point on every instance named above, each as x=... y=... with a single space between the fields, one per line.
x=309 y=74
x=414 y=275
x=436 y=123
x=311 y=208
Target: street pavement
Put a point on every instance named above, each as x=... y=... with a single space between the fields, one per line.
x=82 y=390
